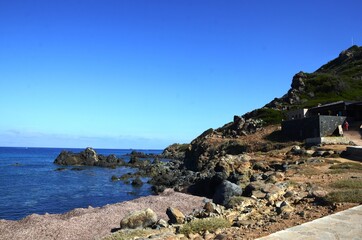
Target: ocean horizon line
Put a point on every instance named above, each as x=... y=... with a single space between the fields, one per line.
x=82 y=148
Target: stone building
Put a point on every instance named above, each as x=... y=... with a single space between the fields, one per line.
x=321 y=121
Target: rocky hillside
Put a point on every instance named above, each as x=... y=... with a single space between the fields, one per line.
x=340 y=79
x=258 y=181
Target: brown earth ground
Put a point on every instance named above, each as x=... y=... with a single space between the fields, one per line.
x=318 y=175
x=96 y=223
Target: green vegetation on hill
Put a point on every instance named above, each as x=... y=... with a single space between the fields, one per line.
x=326 y=88
x=338 y=80
x=269 y=115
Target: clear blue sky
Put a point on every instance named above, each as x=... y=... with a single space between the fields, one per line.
x=147 y=73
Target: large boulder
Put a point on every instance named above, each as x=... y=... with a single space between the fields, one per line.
x=298 y=81
x=225 y=191
x=67 y=158
x=199 y=153
x=139 y=219
x=175 y=215
x=175 y=151
x=241 y=126
x=89 y=156
x=239 y=164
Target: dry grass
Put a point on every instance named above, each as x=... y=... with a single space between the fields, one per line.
x=346 y=167
x=308 y=171
x=348 y=184
x=352 y=191
x=206 y=224
x=351 y=196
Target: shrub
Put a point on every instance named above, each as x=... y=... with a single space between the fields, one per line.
x=309 y=171
x=269 y=116
x=348 y=165
x=235 y=201
x=205 y=224
x=182 y=147
x=352 y=196
x=348 y=183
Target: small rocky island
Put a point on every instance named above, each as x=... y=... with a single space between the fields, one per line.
x=88 y=157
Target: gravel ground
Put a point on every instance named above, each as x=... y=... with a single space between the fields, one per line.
x=94 y=223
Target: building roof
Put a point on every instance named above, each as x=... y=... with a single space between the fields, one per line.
x=346 y=103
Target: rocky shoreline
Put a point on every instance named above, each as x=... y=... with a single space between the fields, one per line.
x=237 y=193
x=252 y=190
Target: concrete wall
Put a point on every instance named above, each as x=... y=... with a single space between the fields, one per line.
x=311 y=127
x=327 y=140
x=296 y=114
x=328 y=124
x=300 y=129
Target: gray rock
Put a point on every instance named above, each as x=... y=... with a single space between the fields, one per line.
x=318 y=153
x=137 y=182
x=262 y=166
x=210 y=207
x=225 y=191
x=289 y=194
x=297 y=82
x=278 y=204
x=256 y=177
x=296 y=150
x=90 y=156
x=139 y=219
x=258 y=194
x=271 y=188
x=285 y=208
x=309 y=152
x=161 y=224
x=67 y=158
x=318 y=193
x=112 y=159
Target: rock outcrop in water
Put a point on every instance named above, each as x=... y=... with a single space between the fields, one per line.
x=88 y=157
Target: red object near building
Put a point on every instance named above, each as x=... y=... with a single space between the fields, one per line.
x=345 y=126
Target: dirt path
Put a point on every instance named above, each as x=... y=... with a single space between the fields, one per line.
x=354 y=133
x=354 y=136
x=93 y=223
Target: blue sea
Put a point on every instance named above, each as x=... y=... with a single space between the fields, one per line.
x=30 y=183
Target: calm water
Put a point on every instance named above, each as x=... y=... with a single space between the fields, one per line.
x=29 y=183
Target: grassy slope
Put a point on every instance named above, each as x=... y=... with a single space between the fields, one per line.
x=340 y=79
